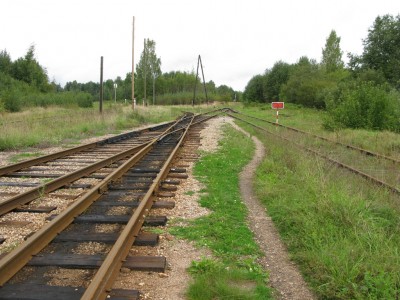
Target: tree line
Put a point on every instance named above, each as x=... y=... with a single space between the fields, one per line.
x=24 y=83
x=363 y=94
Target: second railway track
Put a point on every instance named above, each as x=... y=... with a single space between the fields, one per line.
x=377 y=168
x=121 y=200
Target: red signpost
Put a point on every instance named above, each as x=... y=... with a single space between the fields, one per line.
x=277 y=106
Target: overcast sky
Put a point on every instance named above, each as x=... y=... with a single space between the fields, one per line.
x=236 y=39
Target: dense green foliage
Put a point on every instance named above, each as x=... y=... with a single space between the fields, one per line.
x=363 y=104
x=304 y=85
x=24 y=83
x=381 y=48
x=254 y=89
x=275 y=79
x=350 y=94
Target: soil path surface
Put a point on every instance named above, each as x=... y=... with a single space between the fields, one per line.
x=285 y=278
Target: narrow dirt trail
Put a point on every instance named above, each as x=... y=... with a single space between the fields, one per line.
x=285 y=277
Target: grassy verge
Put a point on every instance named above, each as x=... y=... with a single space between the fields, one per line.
x=42 y=127
x=311 y=120
x=234 y=273
x=342 y=231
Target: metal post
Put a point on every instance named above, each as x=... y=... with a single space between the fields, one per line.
x=133 y=64
x=154 y=89
x=101 y=84
x=115 y=92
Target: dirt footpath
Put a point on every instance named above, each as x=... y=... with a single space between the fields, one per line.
x=285 y=278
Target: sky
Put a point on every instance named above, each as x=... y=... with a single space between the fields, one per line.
x=236 y=39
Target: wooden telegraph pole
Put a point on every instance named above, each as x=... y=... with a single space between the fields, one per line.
x=133 y=65
x=101 y=85
x=145 y=70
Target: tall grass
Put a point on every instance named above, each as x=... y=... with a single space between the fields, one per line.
x=55 y=125
x=311 y=120
x=343 y=231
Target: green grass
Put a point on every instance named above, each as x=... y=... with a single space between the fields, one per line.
x=54 y=125
x=311 y=120
x=23 y=156
x=343 y=231
x=234 y=273
x=43 y=127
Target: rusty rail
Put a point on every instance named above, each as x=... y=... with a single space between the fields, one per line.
x=46 y=158
x=101 y=284
x=364 y=151
x=108 y=271
x=15 y=260
x=339 y=164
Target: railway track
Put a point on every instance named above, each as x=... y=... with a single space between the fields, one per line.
x=377 y=168
x=132 y=178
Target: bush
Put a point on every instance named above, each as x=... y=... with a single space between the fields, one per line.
x=365 y=105
x=11 y=101
x=84 y=100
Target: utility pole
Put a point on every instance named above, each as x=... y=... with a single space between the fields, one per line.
x=133 y=64
x=101 y=84
x=154 y=88
x=199 y=62
x=145 y=69
x=115 y=92
x=204 y=81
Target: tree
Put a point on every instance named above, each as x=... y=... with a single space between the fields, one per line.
x=225 y=93
x=149 y=67
x=331 y=54
x=305 y=85
x=28 y=69
x=5 y=62
x=274 y=79
x=254 y=89
x=381 y=48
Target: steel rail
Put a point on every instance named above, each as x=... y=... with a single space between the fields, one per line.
x=32 y=194
x=16 y=259
x=105 y=276
x=345 y=166
x=46 y=158
x=367 y=152
x=9 y=204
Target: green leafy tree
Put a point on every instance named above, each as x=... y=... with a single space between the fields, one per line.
x=5 y=62
x=381 y=48
x=331 y=54
x=225 y=93
x=148 y=69
x=274 y=79
x=28 y=69
x=305 y=84
x=254 y=89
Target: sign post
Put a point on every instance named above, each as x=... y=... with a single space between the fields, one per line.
x=277 y=106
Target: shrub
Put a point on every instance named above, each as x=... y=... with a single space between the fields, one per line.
x=365 y=105
x=84 y=100
x=12 y=102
